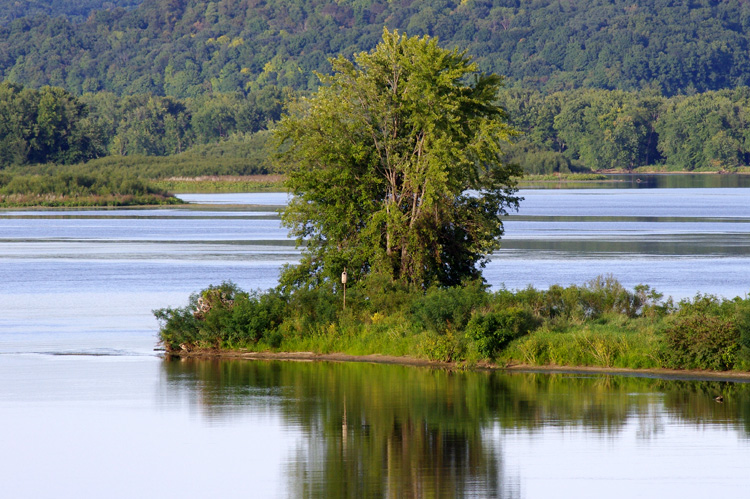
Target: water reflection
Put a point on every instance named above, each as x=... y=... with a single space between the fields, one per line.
x=391 y=431
x=369 y=430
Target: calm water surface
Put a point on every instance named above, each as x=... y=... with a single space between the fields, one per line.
x=89 y=409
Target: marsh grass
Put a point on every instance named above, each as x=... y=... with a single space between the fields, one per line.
x=595 y=345
x=72 y=189
x=222 y=184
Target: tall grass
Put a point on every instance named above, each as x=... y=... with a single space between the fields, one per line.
x=79 y=189
x=216 y=184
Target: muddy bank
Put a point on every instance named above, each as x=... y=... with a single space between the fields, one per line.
x=697 y=375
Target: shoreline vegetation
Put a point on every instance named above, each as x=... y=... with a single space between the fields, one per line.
x=271 y=182
x=275 y=182
x=68 y=190
x=662 y=373
x=599 y=325
x=222 y=184
x=74 y=188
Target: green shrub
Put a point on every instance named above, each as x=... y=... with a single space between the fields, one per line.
x=441 y=347
x=743 y=327
x=605 y=294
x=237 y=318
x=224 y=317
x=380 y=293
x=493 y=331
x=701 y=341
x=178 y=326
x=317 y=305
x=441 y=309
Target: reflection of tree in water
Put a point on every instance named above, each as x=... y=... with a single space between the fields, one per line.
x=408 y=459
x=369 y=430
x=605 y=404
x=393 y=431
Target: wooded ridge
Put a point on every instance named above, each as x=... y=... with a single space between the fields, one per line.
x=186 y=48
x=590 y=85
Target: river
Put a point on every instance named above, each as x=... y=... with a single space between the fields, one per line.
x=88 y=407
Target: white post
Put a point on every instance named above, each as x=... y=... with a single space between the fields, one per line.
x=343 y=281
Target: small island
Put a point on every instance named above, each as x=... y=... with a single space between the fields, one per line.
x=72 y=189
x=396 y=167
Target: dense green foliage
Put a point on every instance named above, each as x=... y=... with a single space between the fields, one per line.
x=395 y=167
x=160 y=77
x=493 y=331
x=225 y=316
x=705 y=333
x=42 y=126
x=51 y=125
x=187 y=48
x=597 y=324
x=575 y=130
x=76 y=10
x=599 y=129
x=168 y=76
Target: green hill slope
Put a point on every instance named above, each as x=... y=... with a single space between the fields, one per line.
x=77 y=10
x=184 y=48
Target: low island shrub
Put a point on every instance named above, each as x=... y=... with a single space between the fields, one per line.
x=706 y=333
x=70 y=189
x=441 y=309
x=493 y=331
x=222 y=317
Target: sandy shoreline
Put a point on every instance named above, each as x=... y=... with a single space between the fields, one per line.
x=675 y=374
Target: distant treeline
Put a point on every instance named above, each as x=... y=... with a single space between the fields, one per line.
x=188 y=48
x=600 y=129
x=225 y=134
x=53 y=126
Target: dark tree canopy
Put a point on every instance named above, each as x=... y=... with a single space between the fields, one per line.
x=395 y=166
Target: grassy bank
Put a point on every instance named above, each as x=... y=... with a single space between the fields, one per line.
x=219 y=184
x=566 y=177
x=599 y=324
x=238 y=164
x=275 y=182
x=131 y=181
x=78 y=190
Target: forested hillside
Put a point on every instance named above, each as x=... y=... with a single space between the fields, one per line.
x=77 y=10
x=591 y=84
x=186 y=48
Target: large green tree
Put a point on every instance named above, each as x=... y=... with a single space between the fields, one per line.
x=394 y=166
x=38 y=126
